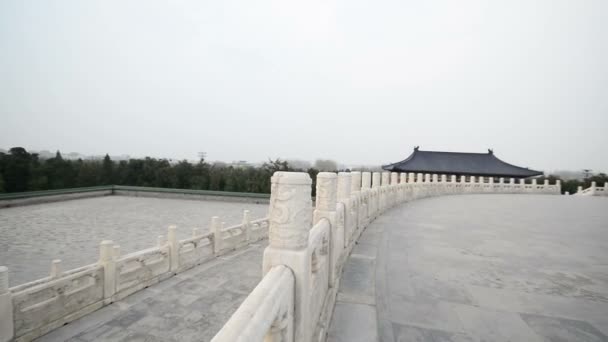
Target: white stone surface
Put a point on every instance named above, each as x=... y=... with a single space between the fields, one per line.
x=32 y=236
x=490 y=268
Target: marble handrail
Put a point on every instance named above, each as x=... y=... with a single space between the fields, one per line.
x=33 y=309
x=314 y=244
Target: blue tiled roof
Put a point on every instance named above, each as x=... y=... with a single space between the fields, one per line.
x=459 y=163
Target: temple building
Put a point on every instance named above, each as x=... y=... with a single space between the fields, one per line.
x=460 y=164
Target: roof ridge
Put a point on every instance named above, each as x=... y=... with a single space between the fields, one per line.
x=480 y=153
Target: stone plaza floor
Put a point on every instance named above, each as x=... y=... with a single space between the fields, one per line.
x=33 y=235
x=191 y=306
x=452 y=268
x=479 y=268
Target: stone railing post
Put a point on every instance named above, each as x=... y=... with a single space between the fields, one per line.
x=327 y=197
x=394 y=178
x=376 y=179
x=246 y=224
x=453 y=179
x=366 y=180
x=411 y=177
x=55 y=269
x=290 y=219
x=173 y=248
x=393 y=188
x=355 y=182
x=402 y=178
x=386 y=178
x=558 y=185
x=427 y=177
x=385 y=190
x=593 y=185
x=347 y=222
x=376 y=183
x=6 y=308
x=106 y=260
x=356 y=207
x=579 y=189
x=366 y=194
x=435 y=178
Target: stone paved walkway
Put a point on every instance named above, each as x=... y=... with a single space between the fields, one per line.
x=191 y=306
x=479 y=268
x=31 y=236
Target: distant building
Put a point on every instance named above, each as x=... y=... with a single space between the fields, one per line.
x=240 y=164
x=460 y=164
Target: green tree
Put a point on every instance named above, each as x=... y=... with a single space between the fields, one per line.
x=107 y=171
x=17 y=170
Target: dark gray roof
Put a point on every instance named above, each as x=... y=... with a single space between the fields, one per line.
x=459 y=163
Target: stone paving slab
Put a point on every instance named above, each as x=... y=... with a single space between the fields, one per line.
x=191 y=306
x=487 y=268
x=355 y=310
x=31 y=236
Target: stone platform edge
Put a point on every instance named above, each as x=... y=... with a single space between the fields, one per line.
x=47 y=196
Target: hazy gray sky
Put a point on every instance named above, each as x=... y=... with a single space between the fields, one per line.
x=356 y=81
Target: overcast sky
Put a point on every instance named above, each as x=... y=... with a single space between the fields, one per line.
x=361 y=82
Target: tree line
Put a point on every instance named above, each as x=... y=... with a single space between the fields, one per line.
x=24 y=171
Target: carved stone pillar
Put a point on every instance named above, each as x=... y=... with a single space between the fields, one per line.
x=376 y=179
x=355 y=194
x=290 y=219
x=366 y=196
x=6 y=307
x=355 y=178
x=394 y=178
x=344 y=197
x=106 y=259
x=386 y=178
x=375 y=194
x=327 y=196
x=366 y=180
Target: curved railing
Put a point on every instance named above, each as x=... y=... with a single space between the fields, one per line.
x=257 y=316
x=314 y=244
x=33 y=309
x=593 y=190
